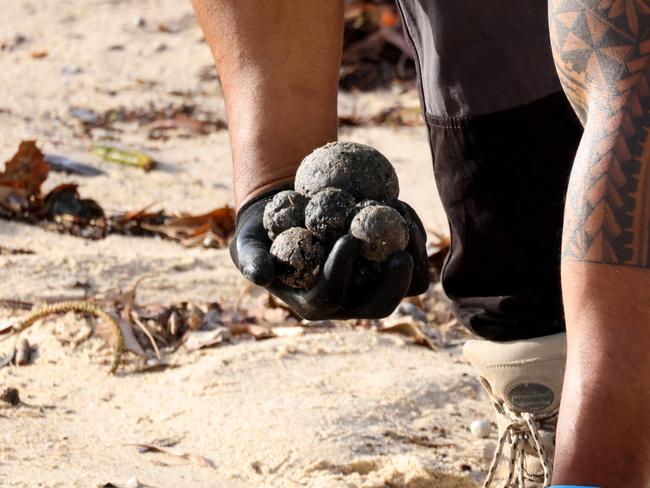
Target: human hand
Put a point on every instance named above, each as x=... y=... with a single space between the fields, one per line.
x=333 y=295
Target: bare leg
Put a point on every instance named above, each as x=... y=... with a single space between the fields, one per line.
x=602 y=50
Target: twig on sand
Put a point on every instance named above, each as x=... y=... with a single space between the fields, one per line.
x=75 y=306
x=146 y=332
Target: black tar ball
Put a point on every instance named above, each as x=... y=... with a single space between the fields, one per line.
x=357 y=169
x=286 y=210
x=299 y=257
x=328 y=214
x=381 y=230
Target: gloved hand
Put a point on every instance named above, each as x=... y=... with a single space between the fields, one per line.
x=332 y=296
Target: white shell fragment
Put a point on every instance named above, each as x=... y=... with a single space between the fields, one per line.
x=133 y=483
x=480 y=428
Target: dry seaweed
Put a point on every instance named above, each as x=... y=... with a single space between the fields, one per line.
x=64 y=210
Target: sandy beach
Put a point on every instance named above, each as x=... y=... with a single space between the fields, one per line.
x=341 y=406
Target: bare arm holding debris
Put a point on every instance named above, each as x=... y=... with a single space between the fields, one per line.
x=278 y=62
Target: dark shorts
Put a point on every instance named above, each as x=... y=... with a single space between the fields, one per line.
x=503 y=138
x=480 y=56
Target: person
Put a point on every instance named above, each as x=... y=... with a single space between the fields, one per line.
x=524 y=266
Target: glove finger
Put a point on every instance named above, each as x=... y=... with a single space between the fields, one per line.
x=331 y=288
x=290 y=296
x=250 y=248
x=415 y=217
x=255 y=262
x=417 y=248
x=325 y=297
x=392 y=286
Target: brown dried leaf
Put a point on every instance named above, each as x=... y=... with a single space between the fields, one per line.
x=26 y=171
x=256 y=331
x=276 y=303
x=437 y=258
x=139 y=215
x=409 y=329
x=6 y=327
x=188 y=228
x=13 y=304
x=187 y=456
x=187 y=123
x=105 y=331
x=164 y=442
x=6 y=251
x=198 y=339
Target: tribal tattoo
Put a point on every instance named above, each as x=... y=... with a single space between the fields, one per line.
x=602 y=54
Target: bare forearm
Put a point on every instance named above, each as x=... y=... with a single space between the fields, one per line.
x=278 y=62
x=603 y=433
x=604 y=430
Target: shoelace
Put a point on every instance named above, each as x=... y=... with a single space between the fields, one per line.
x=522 y=428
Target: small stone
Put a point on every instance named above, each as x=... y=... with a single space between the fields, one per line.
x=299 y=257
x=132 y=483
x=23 y=352
x=10 y=396
x=139 y=21
x=284 y=211
x=480 y=428
x=381 y=230
x=19 y=39
x=360 y=170
x=328 y=214
x=211 y=241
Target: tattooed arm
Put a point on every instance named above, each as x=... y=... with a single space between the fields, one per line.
x=602 y=54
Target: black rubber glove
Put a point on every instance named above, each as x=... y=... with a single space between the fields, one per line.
x=332 y=296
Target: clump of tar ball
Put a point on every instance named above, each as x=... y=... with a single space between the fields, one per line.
x=299 y=256
x=328 y=214
x=381 y=231
x=284 y=211
x=340 y=188
x=357 y=169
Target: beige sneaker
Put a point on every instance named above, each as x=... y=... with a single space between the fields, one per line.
x=524 y=381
